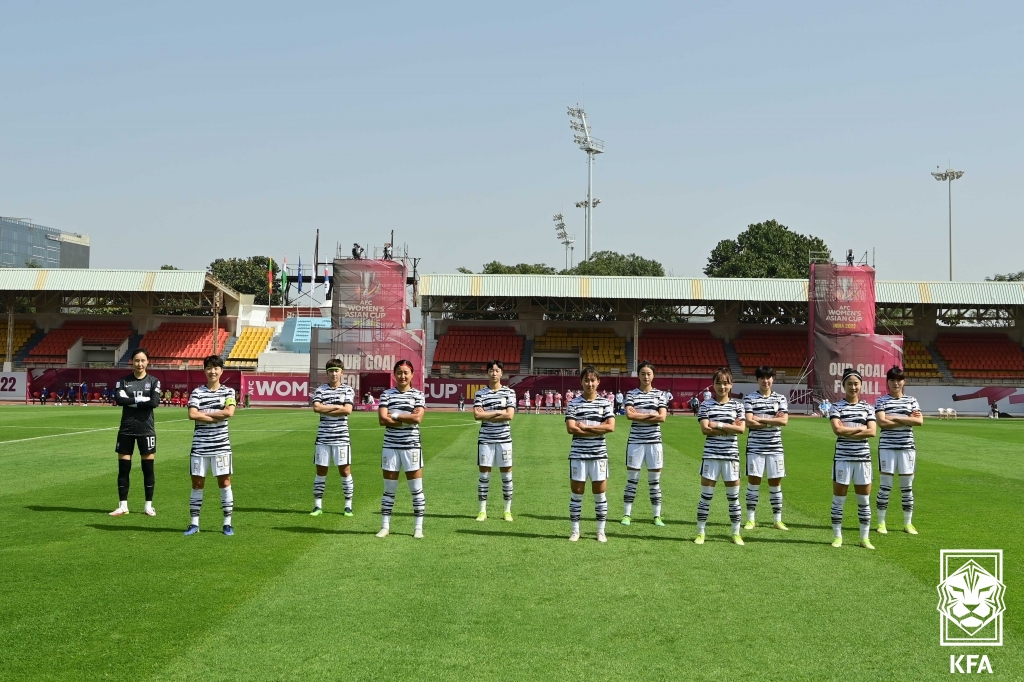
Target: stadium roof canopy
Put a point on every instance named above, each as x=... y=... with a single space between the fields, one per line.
x=709 y=289
x=51 y=289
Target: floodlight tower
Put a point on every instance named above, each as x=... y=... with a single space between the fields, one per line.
x=564 y=238
x=592 y=146
x=948 y=176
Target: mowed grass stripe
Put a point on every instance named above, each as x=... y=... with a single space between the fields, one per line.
x=471 y=598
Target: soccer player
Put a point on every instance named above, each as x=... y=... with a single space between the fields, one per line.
x=400 y=413
x=138 y=394
x=558 y=402
x=494 y=408
x=210 y=407
x=896 y=414
x=646 y=409
x=721 y=421
x=853 y=422
x=333 y=401
x=588 y=418
x=766 y=413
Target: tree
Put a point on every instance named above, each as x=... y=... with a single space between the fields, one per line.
x=1008 y=277
x=765 y=249
x=611 y=263
x=248 y=276
x=496 y=268
x=168 y=267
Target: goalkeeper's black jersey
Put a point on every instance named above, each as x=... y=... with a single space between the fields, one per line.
x=137 y=415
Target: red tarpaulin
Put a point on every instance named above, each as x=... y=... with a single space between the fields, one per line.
x=369 y=293
x=842 y=299
x=870 y=354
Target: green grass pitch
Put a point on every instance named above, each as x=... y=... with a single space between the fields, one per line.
x=290 y=597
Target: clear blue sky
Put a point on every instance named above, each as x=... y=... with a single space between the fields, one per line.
x=186 y=132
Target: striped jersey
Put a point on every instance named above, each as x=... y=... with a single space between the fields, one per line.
x=589 y=413
x=857 y=414
x=407 y=436
x=333 y=430
x=765 y=441
x=211 y=438
x=721 y=447
x=902 y=437
x=495 y=401
x=645 y=403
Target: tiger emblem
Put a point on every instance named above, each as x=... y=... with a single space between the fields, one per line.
x=971 y=597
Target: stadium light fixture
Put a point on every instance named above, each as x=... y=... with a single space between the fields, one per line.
x=564 y=238
x=592 y=146
x=948 y=176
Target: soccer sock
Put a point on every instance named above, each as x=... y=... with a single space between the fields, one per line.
x=387 y=501
x=195 y=504
x=632 y=479
x=124 y=466
x=864 y=515
x=575 y=511
x=148 y=480
x=907 y=489
x=707 y=492
x=732 y=494
x=506 y=489
x=348 y=487
x=654 y=484
x=837 y=514
x=419 y=502
x=882 y=500
x=775 y=498
x=319 y=484
x=753 y=494
x=227 y=503
x=482 y=489
x=601 y=510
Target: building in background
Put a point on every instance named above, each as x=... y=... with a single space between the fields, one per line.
x=24 y=244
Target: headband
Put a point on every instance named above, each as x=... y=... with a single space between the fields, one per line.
x=852 y=373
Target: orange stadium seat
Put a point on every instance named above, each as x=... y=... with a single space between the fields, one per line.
x=981 y=356
x=467 y=349
x=52 y=349
x=682 y=352
x=178 y=343
x=784 y=351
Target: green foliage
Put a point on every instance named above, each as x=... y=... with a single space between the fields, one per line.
x=32 y=263
x=1008 y=277
x=465 y=271
x=168 y=267
x=248 y=276
x=613 y=264
x=496 y=268
x=765 y=249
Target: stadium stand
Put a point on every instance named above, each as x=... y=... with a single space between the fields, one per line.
x=23 y=331
x=981 y=356
x=917 y=361
x=598 y=347
x=177 y=343
x=467 y=349
x=786 y=352
x=53 y=348
x=247 y=349
x=683 y=352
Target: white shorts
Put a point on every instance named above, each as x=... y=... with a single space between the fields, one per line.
x=726 y=469
x=399 y=460
x=323 y=455
x=771 y=466
x=639 y=454
x=897 y=461
x=847 y=472
x=218 y=465
x=594 y=469
x=494 y=454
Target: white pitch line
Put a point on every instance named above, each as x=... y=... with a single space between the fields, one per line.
x=244 y=430
x=75 y=433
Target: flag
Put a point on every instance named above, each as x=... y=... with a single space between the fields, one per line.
x=284 y=277
x=300 y=273
x=316 y=259
x=270 y=280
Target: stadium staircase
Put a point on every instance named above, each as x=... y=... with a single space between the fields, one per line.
x=524 y=358
x=784 y=351
x=134 y=343
x=940 y=363
x=33 y=339
x=630 y=367
x=918 y=362
x=734 y=361
x=228 y=345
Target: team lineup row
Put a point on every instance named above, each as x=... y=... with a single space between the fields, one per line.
x=589 y=417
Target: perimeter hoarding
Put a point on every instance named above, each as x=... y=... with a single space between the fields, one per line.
x=870 y=354
x=369 y=293
x=13 y=386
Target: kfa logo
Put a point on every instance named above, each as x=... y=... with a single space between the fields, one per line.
x=971 y=663
x=971 y=603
